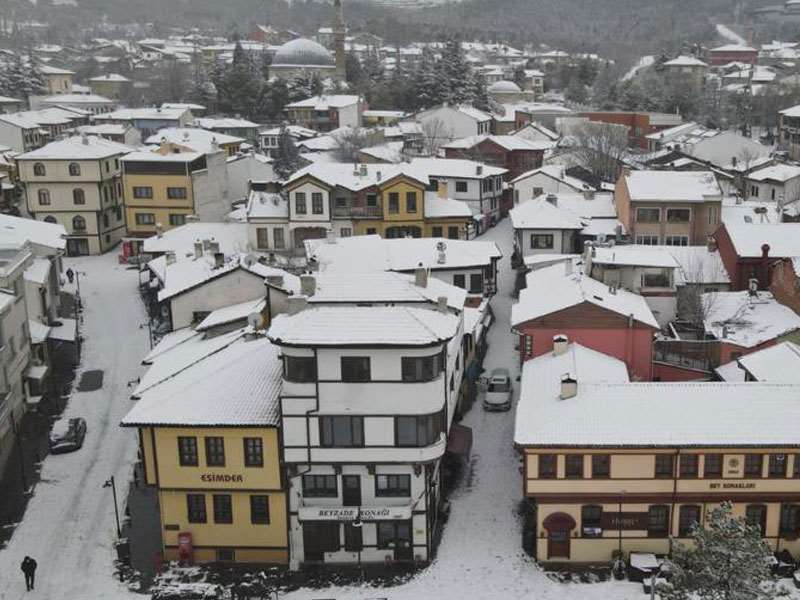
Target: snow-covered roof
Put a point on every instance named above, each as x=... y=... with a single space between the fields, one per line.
x=747 y=239
x=677 y=186
x=77 y=99
x=236 y=383
x=78 y=147
x=303 y=52
x=50 y=70
x=183 y=106
x=685 y=61
x=373 y=253
x=363 y=326
x=781 y=173
x=541 y=214
x=504 y=86
x=734 y=48
x=654 y=414
x=634 y=256
x=507 y=142
x=224 y=123
x=143 y=114
x=425 y=168
x=39 y=331
x=698 y=264
x=326 y=102
x=792 y=111
x=540 y=383
x=153 y=155
x=383 y=287
x=552 y=289
x=231 y=237
x=103 y=129
x=735 y=211
x=18 y=120
x=557 y=172
x=440 y=208
x=115 y=77
x=777 y=364
x=18 y=230
x=746 y=320
x=199 y=140
x=267 y=205
x=231 y=314
x=38 y=271
x=730 y=372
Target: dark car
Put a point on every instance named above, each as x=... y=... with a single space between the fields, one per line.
x=67 y=435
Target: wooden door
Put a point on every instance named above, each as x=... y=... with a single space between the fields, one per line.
x=558 y=543
x=351 y=490
x=319 y=538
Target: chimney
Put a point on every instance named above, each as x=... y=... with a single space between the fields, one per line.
x=296 y=304
x=421 y=276
x=377 y=175
x=275 y=280
x=219 y=260
x=560 y=344
x=552 y=199
x=362 y=170
x=479 y=170
x=711 y=243
x=441 y=304
x=569 y=387
x=84 y=139
x=765 y=251
x=308 y=285
x=752 y=286
x=441 y=190
x=588 y=194
x=170 y=257
x=198 y=249
x=734 y=160
x=213 y=247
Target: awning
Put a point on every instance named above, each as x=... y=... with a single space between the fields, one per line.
x=66 y=332
x=460 y=441
x=36 y=372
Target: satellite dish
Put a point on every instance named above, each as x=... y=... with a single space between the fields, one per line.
x=254 y=320
x=441 y=246
x=249 y=260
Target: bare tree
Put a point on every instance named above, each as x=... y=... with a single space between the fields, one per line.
x=695 y=305
x=601 y=148
x=435 y=133
x=351 y=141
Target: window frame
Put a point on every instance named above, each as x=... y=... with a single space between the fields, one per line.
x=317 y=202
x=594 y=523
x=684 y=527
x=639 y=209
x=142 y=192
x=223 y=509
x=427 y=430
x=462 y=186
x=659 y=471
x=315 y=491
x=763 y=514
x=197 y=513
x=253 y=452
x=425 y=368
x=597 y=474
x=548 y=242
x=679 y=210
x=329 y=433
x=43 y=196
x=789 y=516
x=411 y=202
x=259 y=509
x=177 y=193
x=393 y=203
x=292 y=374
x=185 y=454
x=214 y=450
x=661 y=532
x=300 y=204
x=689 y=466
x=713 y=474
x=774 y=468
x=393 y=491
x=78 y=196
x=750 y=473
x=352 y=369
x=74 y=169
x=574 y=467
x=547 y=466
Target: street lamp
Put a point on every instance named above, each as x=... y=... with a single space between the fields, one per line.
x=110 y=483
x=149 y=331
x=358 y=524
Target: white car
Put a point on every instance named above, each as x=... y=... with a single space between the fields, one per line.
x=497 y=390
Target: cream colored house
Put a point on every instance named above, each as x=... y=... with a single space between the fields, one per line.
x=77 y=182
x=57 y=80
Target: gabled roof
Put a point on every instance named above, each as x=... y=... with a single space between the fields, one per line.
x=685 y=61
x=79 y=147
x=507 y=142
x=442 y=208
x=678 y=186
x=18 y=230
x=776 y=364
x=783 y=239
x=780 y=173
x=558 y=173
x=199 y=140
x=541 y=214
x=746 y=320
x=326 y=102
x=231 y=237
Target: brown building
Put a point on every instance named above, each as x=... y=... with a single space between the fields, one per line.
x=515 y=154
x=671 y=208
x=639 y=124
x=753 y=250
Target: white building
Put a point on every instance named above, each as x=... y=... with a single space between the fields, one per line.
x=447 y=123
x=778 y=183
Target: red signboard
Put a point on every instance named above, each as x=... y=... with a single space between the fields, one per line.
x=185 y=547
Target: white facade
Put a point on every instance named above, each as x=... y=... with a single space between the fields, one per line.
x=538 y=183
x=544 y=241
x=449 y=123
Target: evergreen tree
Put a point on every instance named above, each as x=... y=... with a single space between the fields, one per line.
x=603 y=91
x=576 y=91
x=275 y=99
x=428 y=88
x=729 y=560
x=519 y=76
x=20 y=79
x=372 y=68
x=304 y=87
x=454 y=73
x=480 y=95
x=352 y=68
x=287 y=157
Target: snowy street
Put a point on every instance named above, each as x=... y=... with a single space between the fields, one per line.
x=69 y=523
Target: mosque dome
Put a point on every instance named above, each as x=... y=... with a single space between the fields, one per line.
x=504 y=86
x=303 y=52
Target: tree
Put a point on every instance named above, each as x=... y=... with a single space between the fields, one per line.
x=352 y=68
x=600 y=148
x=603 y=90
x=729 y=560
x=519 y=76
x=454 y=73
x=435 y=133
x=287 y=157
x=305 y=86
x=480 y=95
x=576 y=91
x=351 y=141
x=275 y=99
x=20 y=79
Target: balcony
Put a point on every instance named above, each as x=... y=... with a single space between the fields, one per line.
x=357 y=212
x=378 y=455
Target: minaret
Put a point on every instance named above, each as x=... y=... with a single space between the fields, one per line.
x=338 y=39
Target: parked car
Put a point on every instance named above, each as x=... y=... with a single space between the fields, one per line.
x=67 y=435
x=497 y=390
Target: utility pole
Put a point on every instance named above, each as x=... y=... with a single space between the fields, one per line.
x=110 y=483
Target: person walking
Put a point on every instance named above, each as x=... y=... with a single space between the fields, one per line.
x=28 y=567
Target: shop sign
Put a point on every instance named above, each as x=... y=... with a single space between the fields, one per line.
x=624 y=520
x=732 y=486
x=221 y=478
x=351 y=513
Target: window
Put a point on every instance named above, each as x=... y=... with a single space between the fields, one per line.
x=591 y=520
x=777 y=466
x=796 y=468
x=461 y=187
x=436 y=231
x=712 y=465
x=341 y=432
x=756 y=515
x=790 y=520
x=39 y=170
x=656 y=279
x=176 y=193
x=547 y=466
x=452 y=232
x=74 y=169
x=676 y=240
x=142 y=191
x=647 y=240
x=476 y=283
x=259 y=510
x=648 y=215
x=78 y=223
x=460 y=281
x=177 y=220
x=712 y=215
x=320 y=486
x=541 y=241
x=78 y=197
x=418 y=431
x=223 y=510
x=187 y=451
x=394 y=534
x=687 y=465
x=145 y=219
x=664 y=466
x=601 y=466
x=196 y=508
x=372 y=200
x=299 y=369
x=44 y=197
x=300 y=203
x=346 y=232
x=316 y=203
x=394 y=203
x=50 y=219
x=105 y=221
x=392 y=486
x=225 y=555
x=253 y=452
x=411 y=202
x=754 y=190
x=105 y=194
x=421 y=368
x=215 y=451
x=353 y=539
x=277 y=238
x=658 y=521
x=688 y=516
x=679 y=215
x=355 y=368
x=573 y=468
x=262 y=237
x=753 y=465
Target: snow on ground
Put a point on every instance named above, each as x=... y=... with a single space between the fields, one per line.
x=730 y=35
x=69 y=523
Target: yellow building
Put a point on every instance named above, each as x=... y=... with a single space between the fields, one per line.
x=611 y=466
x=209 y=442
x=57 y=81
x=158 y=188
